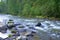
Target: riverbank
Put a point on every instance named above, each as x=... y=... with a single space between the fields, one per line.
x=50 y=18
x=41 y=17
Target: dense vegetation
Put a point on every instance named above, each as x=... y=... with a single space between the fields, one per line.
x=31 y=8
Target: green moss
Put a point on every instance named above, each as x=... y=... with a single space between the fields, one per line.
x=9 y=35
x=13 y=31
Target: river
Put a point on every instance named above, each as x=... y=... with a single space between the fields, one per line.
x=49 y=29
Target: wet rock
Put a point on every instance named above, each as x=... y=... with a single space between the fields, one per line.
x=9 y=38
x=11 y=26
x=29 y=35
x=22 y=38
x=1 y=38
x=33 y=32
x=32 y=28
x=16 y=34
x=27 y=25
x=38 y=24
x=3 y=29
x=21 y=29
x=29 y=38
x=21 y=26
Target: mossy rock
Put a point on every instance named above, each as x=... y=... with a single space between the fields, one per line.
x=21 y=26
x=10 y=35
x=13 y=31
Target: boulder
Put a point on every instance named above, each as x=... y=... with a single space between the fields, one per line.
x=3 y=29
x=38 y=24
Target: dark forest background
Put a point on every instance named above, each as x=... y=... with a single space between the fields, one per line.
x=31 y=8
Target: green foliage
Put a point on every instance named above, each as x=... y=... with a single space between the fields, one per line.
x=32 y=8
x=2 y=7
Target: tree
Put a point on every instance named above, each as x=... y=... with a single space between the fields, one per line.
x=32 y=8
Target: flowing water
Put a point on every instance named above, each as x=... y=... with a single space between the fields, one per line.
x=49 y=29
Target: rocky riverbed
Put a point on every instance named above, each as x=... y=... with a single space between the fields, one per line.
x=27 y=29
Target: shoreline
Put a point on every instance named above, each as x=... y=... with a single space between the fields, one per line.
x=42 y=17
